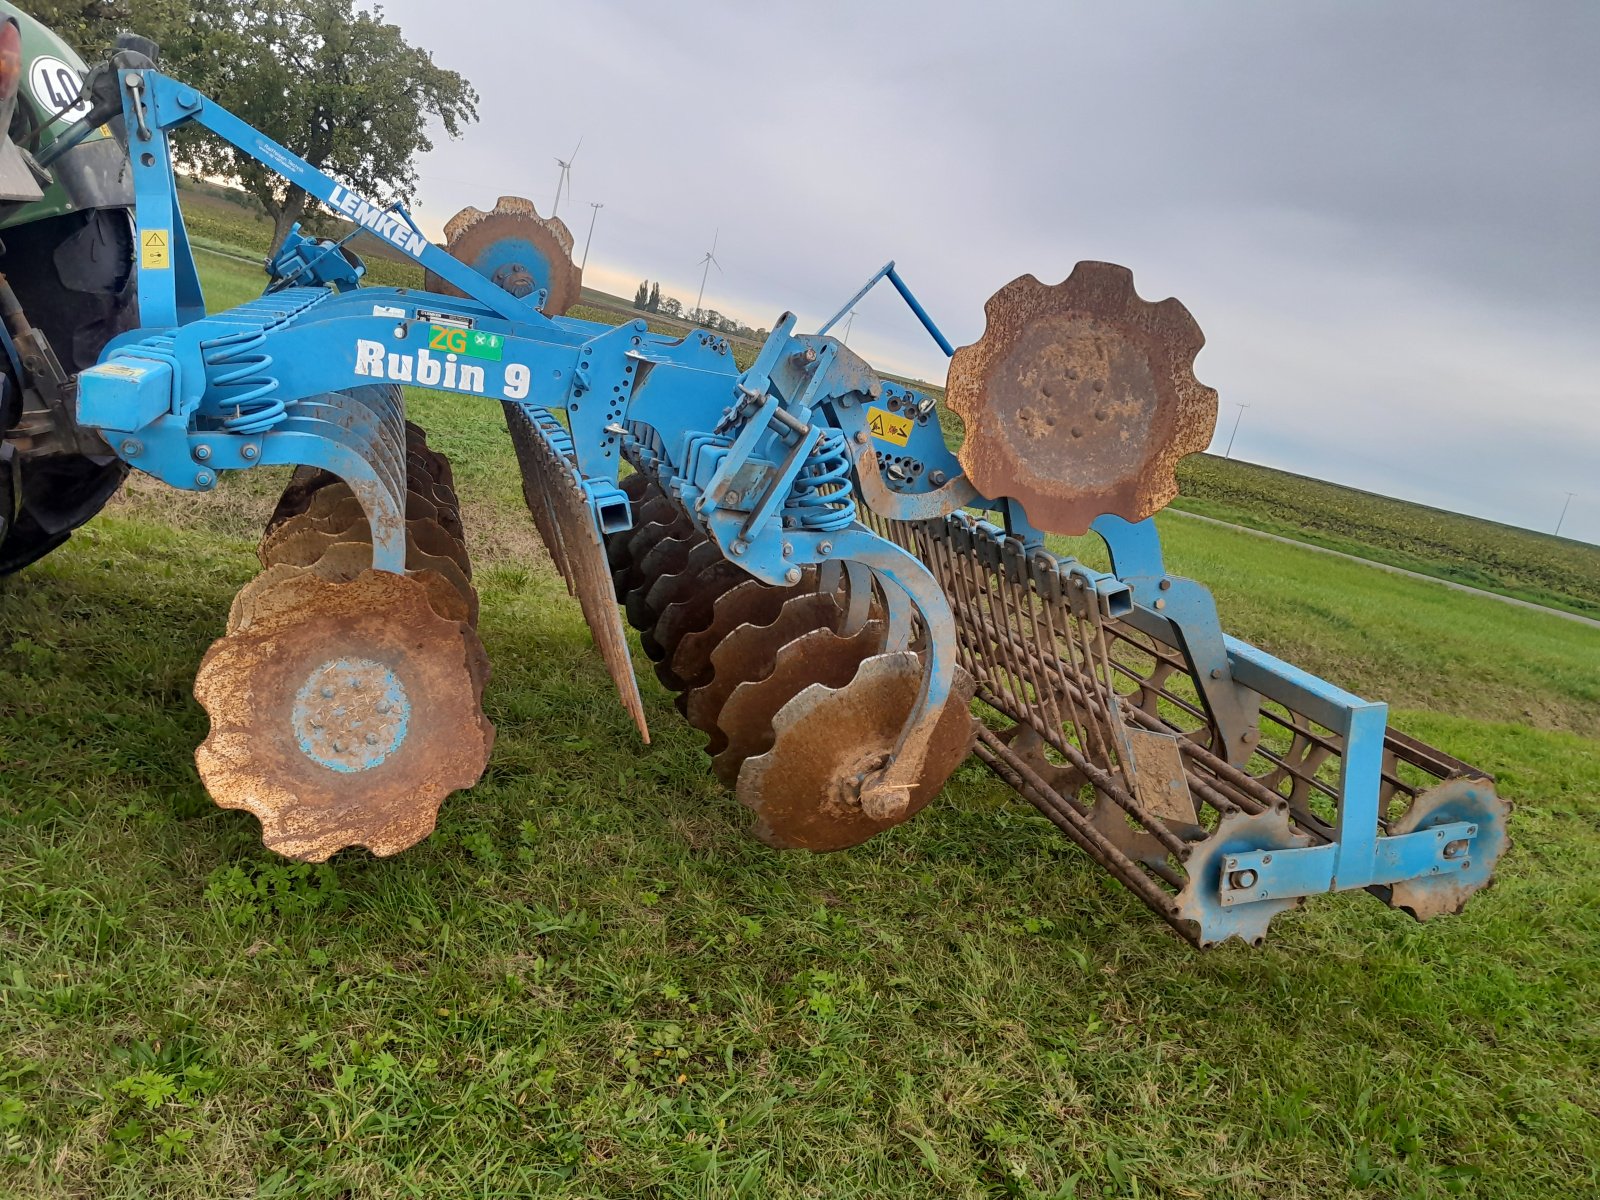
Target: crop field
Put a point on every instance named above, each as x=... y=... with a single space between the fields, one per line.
x=1555 y=572
x=589 y=982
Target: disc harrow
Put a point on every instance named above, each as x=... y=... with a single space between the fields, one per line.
x=346 y=703
x=844 y=605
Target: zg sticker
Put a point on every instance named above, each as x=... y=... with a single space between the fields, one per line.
x=56 y=88
x=889 y=427
x=155 y=249
x=474 y=343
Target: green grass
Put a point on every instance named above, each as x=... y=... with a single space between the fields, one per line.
x=1556 y=572
x=588 y=982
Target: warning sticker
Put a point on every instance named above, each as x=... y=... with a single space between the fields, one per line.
x=155 y=249
x=889 y=427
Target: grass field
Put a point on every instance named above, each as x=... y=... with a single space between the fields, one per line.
x=588 y=982
x=1556 y=572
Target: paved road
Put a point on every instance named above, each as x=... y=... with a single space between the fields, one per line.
x=1367 y=562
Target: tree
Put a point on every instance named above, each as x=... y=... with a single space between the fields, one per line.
x=641 y=294
x=335 y=83
x=672 y=306
x=654 y=303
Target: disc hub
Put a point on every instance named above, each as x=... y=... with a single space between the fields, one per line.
x=351 y=714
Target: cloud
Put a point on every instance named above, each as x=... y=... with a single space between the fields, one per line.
x=1382 y=215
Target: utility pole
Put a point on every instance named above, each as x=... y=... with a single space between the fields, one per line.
x=1228 y=453
x=1563 y=515
x=592 y=218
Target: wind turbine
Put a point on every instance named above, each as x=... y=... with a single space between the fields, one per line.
x=565 y=178
x=709 y=261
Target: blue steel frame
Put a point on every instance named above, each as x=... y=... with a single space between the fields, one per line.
x=188 y=394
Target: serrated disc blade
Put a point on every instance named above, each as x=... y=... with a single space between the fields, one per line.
x=551 y=480
x=805 y=790
x=820 y=656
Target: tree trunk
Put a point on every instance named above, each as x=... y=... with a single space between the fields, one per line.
x=284 y=216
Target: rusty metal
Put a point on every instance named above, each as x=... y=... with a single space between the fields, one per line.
x=1469 y=797
x=1205 y=863
x=686 y=604
x=827 y=742
x=1080 y=398
x=472 y=233
x=749 y=603
x=344 y=718
x=1075 y=690
x=670 y=556
x=562 y=513
x=819 y=656
x=747 y=654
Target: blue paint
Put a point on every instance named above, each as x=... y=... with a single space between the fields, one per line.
x=339 y=725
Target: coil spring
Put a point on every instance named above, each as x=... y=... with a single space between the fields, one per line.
x=243 y=365
x=822 y=499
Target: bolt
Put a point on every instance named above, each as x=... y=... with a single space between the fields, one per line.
x=338 y=747
x=202 y=453
x=204 y=479
x=788 y=549
x=1250 y=736
x=740 y=546
x=1216 y=672
x=372 y=739
x=1160 y=604
x=1456 y=848
x=825 y=548
x=937 y=478
x=327 y=693
x=730 y=496
x=1240 y=880
x=1166 y=585
x=129 y=448
x=792 y=575
x=861 y=439
x=381 y=707
x=248 y=453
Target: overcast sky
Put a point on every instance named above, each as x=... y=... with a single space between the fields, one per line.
x=1385 y=216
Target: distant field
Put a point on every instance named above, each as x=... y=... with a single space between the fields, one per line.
x=1547 y=570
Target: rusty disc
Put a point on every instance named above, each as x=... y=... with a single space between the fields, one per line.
x=344 y=720
x=431 y=537
x=437 y=465
x=820 y=656
x=666 y=557
x=805 y=790
x=343 y=561
x=692 y=612
x=517 y=249
x=663 y=521
x=1079 y=399
x=305 y=483
x=751 y=602
x=747 y=653
x=705 y=568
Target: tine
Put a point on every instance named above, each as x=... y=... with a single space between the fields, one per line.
x=561 y=510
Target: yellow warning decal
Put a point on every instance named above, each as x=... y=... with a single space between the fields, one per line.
x=155 y=249
x=889 y=427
